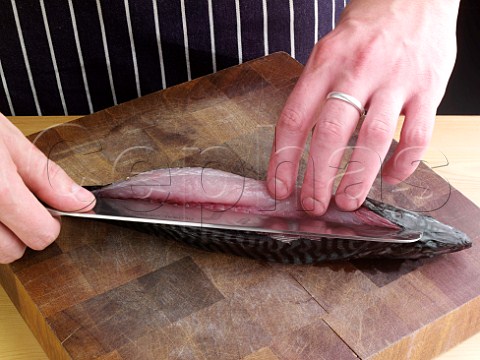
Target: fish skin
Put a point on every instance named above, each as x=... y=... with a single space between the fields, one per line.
x=437 y=238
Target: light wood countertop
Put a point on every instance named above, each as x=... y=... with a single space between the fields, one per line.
x=455 y=137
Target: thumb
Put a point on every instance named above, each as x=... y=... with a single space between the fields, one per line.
x=47 y=180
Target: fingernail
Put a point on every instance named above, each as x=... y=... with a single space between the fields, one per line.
x=346 y=203
x=312 y=205
x=279 y=188
x=82 y=194
x=348 y=200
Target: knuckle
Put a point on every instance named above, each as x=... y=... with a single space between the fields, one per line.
x=7 y=181
x=378 y=128
x=44 y=238
x=327 y=43
x=5 y=193
x=53 y=169
x=418 y=137
x=328 y=128
x=432 y=78
x=319 y=185
x=292 y=120
x=360 y=62
x=7 y=259
x=364 y=57
x=11 y=252
x=29 y=155
x=323 y=49
x=316 y=184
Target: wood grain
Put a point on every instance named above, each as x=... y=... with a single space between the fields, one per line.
x=106 y=291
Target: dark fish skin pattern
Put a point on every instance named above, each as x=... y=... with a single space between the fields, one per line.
x=437 y=239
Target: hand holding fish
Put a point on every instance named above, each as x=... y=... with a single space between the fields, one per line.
x=25 y=174
x=391 y=57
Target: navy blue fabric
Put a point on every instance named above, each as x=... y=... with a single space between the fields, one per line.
x=68 y=62
x=13 y=65
x=3 y=99
x=252 y=29
x=88 y=25
x=143 y=27
x=198 y=30
x=171 y=30
x=135 y=68
x=279 y=26
x=225 y=33
x=41 y=62
x=304 y=36
x=120 y=50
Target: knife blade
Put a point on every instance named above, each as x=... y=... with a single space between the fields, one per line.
x=147 y=212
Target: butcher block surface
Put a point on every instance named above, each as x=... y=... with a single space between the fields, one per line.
x=105 y=291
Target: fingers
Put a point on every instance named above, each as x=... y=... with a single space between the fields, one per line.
x=50 y=182
x=25 y=171
x=294 y=125
x=20 y=211
x=386 y=63
x=374 y=140
x=414 y=139
x=335 y=125
x=44 y=177
x=11 y=248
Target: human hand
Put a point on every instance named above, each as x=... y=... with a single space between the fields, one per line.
x=25 y=171
x=393 y=56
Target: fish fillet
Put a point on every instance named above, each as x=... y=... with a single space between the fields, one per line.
x=218 y=190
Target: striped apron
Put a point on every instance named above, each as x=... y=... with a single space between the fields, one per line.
x=60 y=57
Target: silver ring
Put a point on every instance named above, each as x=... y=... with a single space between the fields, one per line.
x=348 y=99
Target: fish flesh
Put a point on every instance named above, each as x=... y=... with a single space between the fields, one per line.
x=176 y=191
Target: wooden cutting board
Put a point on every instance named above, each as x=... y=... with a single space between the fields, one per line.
x=104 y=291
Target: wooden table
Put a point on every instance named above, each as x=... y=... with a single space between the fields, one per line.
x=454 y=136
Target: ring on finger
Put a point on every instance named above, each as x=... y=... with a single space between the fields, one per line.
x=349 y=99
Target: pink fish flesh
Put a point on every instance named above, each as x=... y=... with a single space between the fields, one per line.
x=219 y=190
